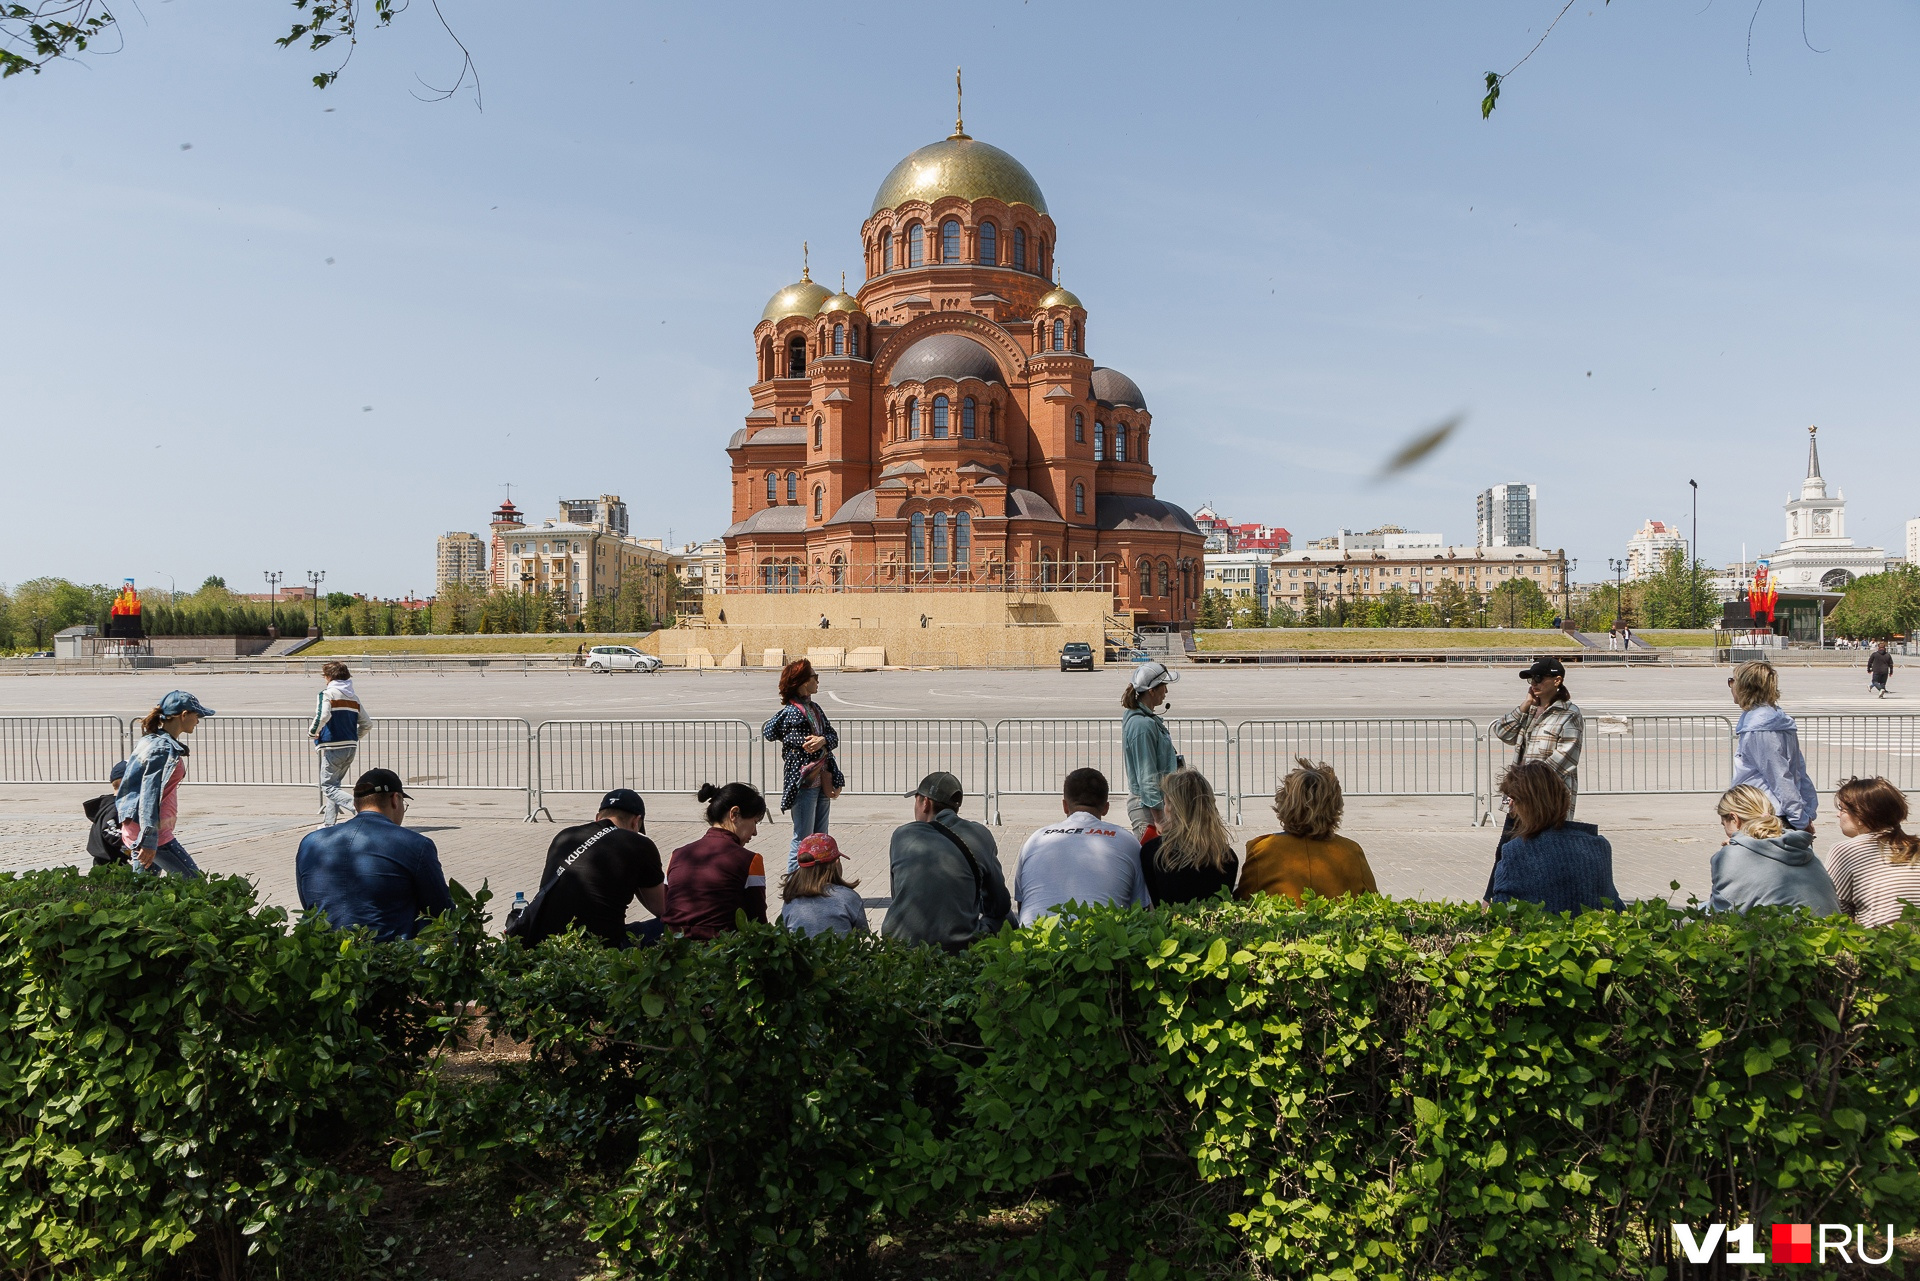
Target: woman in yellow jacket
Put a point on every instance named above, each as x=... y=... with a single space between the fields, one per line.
x=1307 y=855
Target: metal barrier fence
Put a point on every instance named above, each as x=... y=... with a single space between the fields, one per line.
x=60 y=749
x=648 y=756
x=890 y=757
x=1384 y=757
x=1839 y=747
x=1031 y=757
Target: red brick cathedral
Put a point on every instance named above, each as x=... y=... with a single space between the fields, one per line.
x=946 y=429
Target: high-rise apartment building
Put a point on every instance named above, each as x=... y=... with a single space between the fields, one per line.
x=459 y=557
x=1913 y=542
x=1647 y=550
x=1508 y=516
x=605 y=510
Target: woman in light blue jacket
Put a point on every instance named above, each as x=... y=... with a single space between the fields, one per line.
x=1766 y=750
x=1146 y=743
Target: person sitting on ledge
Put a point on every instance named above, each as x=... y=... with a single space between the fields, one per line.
x=817 y=898
x=1084 y=859
x=1191 y=857
x=370 y=871
x=1765 y=863
x=1307 y=855
x=1551 y=860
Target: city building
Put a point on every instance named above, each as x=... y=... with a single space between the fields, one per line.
x=947 y=429
x=1816 y=554
x=1913 y=542
x=1242 y=577
x=1507 y=516
x=1647 y=550
x=1385 y=537
x=605 y=510
x=1223 y=535
x=703 y=566
x=459 y=558
x=506 y=520
x=576 y=562
x=1302 y=577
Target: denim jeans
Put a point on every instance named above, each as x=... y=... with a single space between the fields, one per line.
x=810 y=805
x=171 y=858
x=336 y=801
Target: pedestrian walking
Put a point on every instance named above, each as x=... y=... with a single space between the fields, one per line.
x=1879 y=668
x=1764 y=863
x=148 y=800
x=1307 y=853
x=1876 y=869
x=816 y=897
x=371 y=872
x=713 y=880
x=340 y=721
x=103 y=832
x=947 y=886
x=810 y=778
x=1147 y=744
x=1562 y=865
x=1191 y=857
x=1547 y=726
x=1766 y=749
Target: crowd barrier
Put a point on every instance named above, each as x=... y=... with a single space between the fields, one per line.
x=1375 y=757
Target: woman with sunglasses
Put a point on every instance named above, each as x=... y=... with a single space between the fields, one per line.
x=1545 y=727
x=1766 y=750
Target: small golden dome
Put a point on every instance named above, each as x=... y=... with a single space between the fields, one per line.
x=959 y=166
x=801 y=298
x=842 y=301
x=1059 y=297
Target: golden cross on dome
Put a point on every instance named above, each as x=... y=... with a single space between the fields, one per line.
x=959 y=100
x=803 y=261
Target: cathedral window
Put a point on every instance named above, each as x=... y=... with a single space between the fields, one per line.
x=950 y=241
x=989 y=245
x=1079 y=429
x=966 y=418
x=886 y=251
x=819 y=497
x=796 y=357
x=1146 y=578
x=1079 y=339
x=768 y=573
x=1020 y=248
x=962 y=540
x=1119 y=442
x=1059 y=335
x=917 y=540
x=1079 y=499
x=839 y=340
x=816 y=433
x=940 y=423
x=839 y=570
x=1166 y=579
x=853 y=341
x=793 y=486
x=916 y=245
x=766 y=359
x=913 y=418
x=940 y=540
x=773 y=489
x=1099 y=441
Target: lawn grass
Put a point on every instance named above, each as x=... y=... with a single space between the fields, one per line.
x=535 y=643
x=1394 y=638
x=1676 y=638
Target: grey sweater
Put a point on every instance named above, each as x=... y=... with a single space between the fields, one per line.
x=1771 y=871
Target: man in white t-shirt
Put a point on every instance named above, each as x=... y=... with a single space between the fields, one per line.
x=1083 y=859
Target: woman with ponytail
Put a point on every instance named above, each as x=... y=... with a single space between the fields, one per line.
x=1765 y=863
x=713 y=880
x=1876 y=869
x=148 y=800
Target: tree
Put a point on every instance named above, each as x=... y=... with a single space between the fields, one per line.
x=1677 y=595
x=213 y=580
x=1449 y=605
x=1879 y=606
x=1213 y=611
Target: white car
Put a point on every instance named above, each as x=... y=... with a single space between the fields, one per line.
x=620 y=658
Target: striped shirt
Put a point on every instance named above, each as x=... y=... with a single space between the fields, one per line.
x=1870 y=888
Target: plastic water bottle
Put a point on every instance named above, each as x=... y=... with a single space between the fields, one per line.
x=519 y=903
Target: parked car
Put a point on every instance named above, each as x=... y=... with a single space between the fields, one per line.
x=620 y=658
x=1076 y=656
x=41 y=653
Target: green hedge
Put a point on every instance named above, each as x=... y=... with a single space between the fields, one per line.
x=1355 y=1089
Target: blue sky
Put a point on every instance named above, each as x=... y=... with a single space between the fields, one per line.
x=1288 y=222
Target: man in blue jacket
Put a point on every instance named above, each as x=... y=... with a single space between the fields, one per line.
x=370 y=871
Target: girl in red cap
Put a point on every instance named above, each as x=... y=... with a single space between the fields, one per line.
x=818 y=898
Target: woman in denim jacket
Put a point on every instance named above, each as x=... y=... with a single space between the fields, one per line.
x=810 y=777
x=148 y=799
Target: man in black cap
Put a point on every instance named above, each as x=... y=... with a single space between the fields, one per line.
x=948 y=888
x=594 y=870
x=1547 y=726
x=370 y=871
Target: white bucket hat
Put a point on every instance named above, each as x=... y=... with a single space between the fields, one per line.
x=1149 y=675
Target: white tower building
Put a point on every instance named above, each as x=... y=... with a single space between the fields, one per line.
x=1817 y=555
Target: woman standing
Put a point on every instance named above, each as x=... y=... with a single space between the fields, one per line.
x=148 y=801
x=1192 y=857
x=810 y=778
x=1763 y=863
x=1878 y=865
x=1146 y=743
x=1307 y=855
x=1561 y=865
x=717 y=876
x=340 y=721
x=1767 y=747
x=1547 y=726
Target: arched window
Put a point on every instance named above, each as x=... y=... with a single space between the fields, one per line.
x=839 y=340
x=1059 y=335
x=913 y=418
x=1046 y=567
x=966 y=418
x=796 y=357
x=773 y=489
x=1166 y=579
x=819 y=497
x=950 y=241
x=839 y=570
x=939 y=540
x=793 y=486
x=940 y=418
x=766 y=359
x=989 y=245
x=853 y=341
x=1146 y=578
x=886 y=251
x=916 y=245
x=769 y=574
x=816 y=433
x=917 y=540
x=962 y=540
x=1140 y=447
x=1079 y=429
x=1119 y=442
x=1077 y=339
x=1020 y=248
x=993 y=421
x=1099 y=441
x=1079 y=499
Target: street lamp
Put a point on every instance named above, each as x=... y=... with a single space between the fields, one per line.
x=316 y=577
x=173 y=588
x=1618 y=567
x=526 y=592
x=273 y=577
x=1566 y=591
x=1693 y=558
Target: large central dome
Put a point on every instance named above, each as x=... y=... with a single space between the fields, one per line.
x=962 y=167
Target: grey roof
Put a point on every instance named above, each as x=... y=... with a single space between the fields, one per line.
x=954 y=356
x=794 y=435
x=908 y=468
x=1111 y=387
x=861 y=506
x=738 y=439
x=1130 y=511
x=762 y=412
x=772 y=520
x=1024 y=504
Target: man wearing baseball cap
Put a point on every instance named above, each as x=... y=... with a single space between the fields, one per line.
x=1546 y=726
x=1146 y=743
x=948 y=888
x=594 y=870
x=370 y=871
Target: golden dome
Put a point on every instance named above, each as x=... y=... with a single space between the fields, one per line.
x=1059 y=297
x=801 y=298
x=959 y=166
x=842 y=301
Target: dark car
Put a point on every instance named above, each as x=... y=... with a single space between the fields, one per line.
x=1076 y=656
